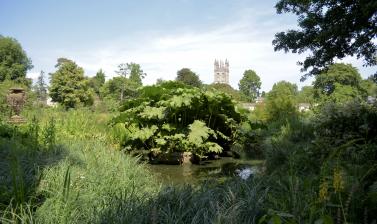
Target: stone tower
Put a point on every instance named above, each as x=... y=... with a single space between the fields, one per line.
x=221 y=72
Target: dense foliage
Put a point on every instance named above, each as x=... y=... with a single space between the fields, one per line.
x=118 y=89
x=171 y=117
x=330 y=29
x=250 y=85
x=40 y=88
x=14 y=62
x=68 y=85
x=225 y=88
x=188 y=77
x=97 y=81
x=281 y=101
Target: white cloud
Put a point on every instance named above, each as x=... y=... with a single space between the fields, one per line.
x=245 y=42
x=33 y=75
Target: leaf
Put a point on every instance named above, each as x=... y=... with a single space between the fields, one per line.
x=160 y=141
x=325 y=219
x=144 y=133
x=213 y=147
x=199 y=132
x=275 y=219
x=153 y=112
x=168 y=127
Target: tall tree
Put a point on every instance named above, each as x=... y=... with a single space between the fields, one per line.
x=306 y=95
x=225 y=88
x=250 y=84
x=338 y=83
x=343 y=74
x=69 y=87
x=14 y=62
x=330 y=29
x=136 y=73
x=281 y=101
x=41 y=88
x=188 y=77
x=132 y=72
x=118 y=89
x=97 y=81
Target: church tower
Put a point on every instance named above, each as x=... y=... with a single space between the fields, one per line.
x=221 y=72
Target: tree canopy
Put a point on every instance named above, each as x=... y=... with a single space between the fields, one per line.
x=306 y=95
x=14 y=62
x=330 y=29
x=136 y=74
x=68 y=86
x=250 y=84
x=119 y=88
x=343 y=74
x=132 y=71
x=281 y=101
x=40 y=88
x=97 y=81
x=338 y=83
x=225 y=88
x=188 y=77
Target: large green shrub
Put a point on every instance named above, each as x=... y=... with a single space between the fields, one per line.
x=174 y=117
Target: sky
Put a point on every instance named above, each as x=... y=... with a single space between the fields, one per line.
x=162 y=36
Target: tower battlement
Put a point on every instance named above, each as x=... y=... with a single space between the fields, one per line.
x=221 y=71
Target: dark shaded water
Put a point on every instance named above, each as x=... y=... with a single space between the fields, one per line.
x=218 y=169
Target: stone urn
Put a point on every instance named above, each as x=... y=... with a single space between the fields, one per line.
x=16 y=99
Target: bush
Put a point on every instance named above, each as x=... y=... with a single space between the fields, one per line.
x=165 y=118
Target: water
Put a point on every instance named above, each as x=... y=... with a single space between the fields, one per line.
x=215 y=169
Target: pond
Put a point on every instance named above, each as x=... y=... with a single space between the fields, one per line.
x=220 y=169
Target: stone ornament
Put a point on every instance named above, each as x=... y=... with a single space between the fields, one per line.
x=16 y=99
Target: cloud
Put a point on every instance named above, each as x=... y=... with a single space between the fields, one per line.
x=33 y=75
x=245 y=42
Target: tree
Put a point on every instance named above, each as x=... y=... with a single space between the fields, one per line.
x=69 y=86
x=119 y=88
x=340 y=79
x=344 y=74
x=373 y=78
x=97 y=81
x=132 y=71
x=306 y=95
x=41 y=88
x=250 y=84
x=330 y=29
x=225 y=88
x=188 y=77
x=14 y=62
x=281 y=101
x=370 y=87
x=136 y=73
x=159 y=81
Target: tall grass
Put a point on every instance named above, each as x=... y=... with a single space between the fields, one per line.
x=236 y=201
x=83 y=184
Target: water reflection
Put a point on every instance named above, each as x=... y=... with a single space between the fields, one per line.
x=215 y=169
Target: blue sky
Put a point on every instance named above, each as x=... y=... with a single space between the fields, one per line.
x=163 y=36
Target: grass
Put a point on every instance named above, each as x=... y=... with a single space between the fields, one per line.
x=82 y=179
x=70 y=181
x=64 y=167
